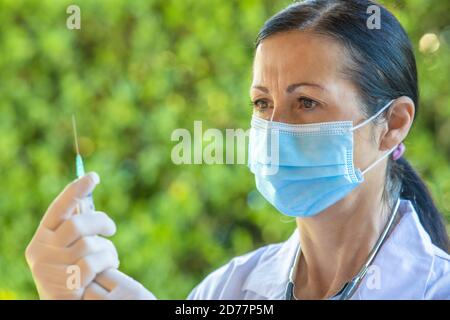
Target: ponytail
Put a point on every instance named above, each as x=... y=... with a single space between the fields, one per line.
x=414 y=189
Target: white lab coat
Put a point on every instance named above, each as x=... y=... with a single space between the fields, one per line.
x=408 y=266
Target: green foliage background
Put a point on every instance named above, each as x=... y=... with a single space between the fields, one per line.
x=136 y=71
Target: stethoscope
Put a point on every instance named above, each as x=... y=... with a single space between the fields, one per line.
x=350 y=287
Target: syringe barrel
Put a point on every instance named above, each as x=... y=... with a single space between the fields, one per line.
x=86 y=204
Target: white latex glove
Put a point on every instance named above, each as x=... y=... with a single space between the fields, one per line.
x=66 y=245
x=115 y=285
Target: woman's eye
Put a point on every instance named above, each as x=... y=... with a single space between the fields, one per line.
x=307 y=103
x=260 y=104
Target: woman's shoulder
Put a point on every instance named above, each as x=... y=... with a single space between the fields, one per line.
x=420 y=261
x=241 y=276
x=438 y=286
x=226 y=282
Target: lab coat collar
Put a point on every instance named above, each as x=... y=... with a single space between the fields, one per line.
x=270 y=276
x=405 y=260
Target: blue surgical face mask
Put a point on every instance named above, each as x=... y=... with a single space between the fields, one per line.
x=303 y=169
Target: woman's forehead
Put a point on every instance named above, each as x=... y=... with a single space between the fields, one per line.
x=297 y=55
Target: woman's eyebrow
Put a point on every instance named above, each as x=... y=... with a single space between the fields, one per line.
x=294 y=86
x=291 y=87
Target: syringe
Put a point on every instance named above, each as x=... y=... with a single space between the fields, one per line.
x=87 y=203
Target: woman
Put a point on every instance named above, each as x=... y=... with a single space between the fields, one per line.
x=334 y=99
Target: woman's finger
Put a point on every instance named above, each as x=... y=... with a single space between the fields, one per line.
x=94 y=291
x=63 y=206
x=83 y=225
x=96 y=263
x=110 y=279
x=86 y=246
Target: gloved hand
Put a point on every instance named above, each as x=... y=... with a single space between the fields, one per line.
x=66 y=253
x=115 y=285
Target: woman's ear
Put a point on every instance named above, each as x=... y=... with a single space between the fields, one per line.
x=399 y=120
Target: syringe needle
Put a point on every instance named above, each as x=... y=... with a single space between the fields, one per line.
x=78 y=159
x=80 y=170
x=74 y=125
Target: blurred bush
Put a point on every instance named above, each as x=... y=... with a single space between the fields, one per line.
x=136 y=71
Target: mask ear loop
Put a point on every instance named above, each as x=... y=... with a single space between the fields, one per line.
x=378 y=160
x=372 y=117
x=366 y=122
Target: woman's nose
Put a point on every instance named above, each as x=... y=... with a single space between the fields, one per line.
x=282 y=113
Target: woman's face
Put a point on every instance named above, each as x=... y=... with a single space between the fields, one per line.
x=297 y=79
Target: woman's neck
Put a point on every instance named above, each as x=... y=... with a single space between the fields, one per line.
x=336 y=243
